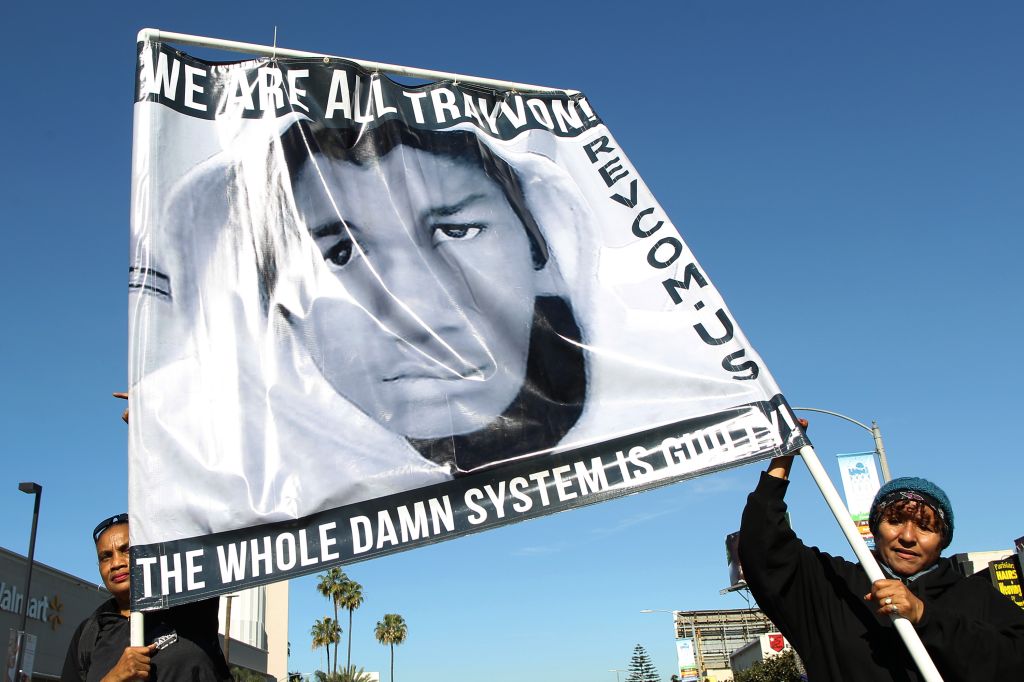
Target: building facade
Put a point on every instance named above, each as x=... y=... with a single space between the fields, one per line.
x=57 y=603
x=255 y=637
x=717 y=634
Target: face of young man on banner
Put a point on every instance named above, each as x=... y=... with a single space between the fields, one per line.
x=442 y=284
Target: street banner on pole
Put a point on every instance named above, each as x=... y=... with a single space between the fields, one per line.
x=860 y=485
x=20 y=644
x=367 y=316
x=687 y=657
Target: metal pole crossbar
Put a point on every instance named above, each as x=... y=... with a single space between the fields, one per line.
x=158 y=36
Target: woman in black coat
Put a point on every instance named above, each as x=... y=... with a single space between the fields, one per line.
x=841 y=623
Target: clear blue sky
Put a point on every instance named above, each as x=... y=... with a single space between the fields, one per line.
x=850 y=175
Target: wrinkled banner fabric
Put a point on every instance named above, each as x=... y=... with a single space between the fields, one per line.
x=366 y=317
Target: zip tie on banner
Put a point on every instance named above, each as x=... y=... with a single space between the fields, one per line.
x=273 y=54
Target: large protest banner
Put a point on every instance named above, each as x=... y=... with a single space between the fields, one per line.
x=367 y=316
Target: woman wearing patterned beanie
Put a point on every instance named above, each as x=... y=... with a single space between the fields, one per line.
x=841 y=624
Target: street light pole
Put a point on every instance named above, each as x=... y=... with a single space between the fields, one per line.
x=30 y=488
x=617 y=671
x=675 y=615
x=875 y=432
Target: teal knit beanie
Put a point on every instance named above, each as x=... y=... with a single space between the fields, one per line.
x=918 y=490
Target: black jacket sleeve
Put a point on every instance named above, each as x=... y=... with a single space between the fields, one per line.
x=975 y=632
x=802 y=590
x=769 y=550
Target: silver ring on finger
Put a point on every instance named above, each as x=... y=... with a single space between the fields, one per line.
x=888 y=601
x=895 y=609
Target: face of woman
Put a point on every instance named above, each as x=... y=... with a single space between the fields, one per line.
x=112 y=555
x=909 y=539
x=431 y=333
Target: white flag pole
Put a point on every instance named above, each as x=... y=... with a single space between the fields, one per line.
x=158 y=36
x=867 y=560
x=137 y=633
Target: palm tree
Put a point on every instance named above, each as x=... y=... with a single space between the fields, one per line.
x=326 y=632
x=318 y=635
x=353 y=674
x=391 y=630
x=351 y=598
x=331 y=584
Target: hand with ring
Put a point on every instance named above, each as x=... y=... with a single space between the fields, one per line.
x=895 y=599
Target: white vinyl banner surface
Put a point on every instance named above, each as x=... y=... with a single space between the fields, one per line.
x=366 y=317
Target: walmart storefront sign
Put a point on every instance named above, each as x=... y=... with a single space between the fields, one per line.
x=12 y=600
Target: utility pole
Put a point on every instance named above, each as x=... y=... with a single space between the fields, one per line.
x=37 y=490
